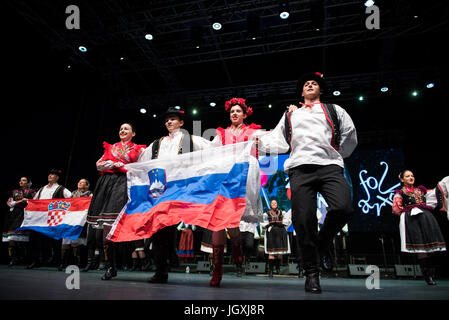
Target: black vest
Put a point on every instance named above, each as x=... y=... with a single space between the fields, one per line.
x=58 y=194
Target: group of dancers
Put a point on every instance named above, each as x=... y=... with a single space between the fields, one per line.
x=318 y=136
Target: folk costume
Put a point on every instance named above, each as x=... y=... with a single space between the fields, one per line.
x=419 y=230
x=13 y=220
x=67 y=243
x=185 y=247
x=227 y=136
x=164 y=242
x=41 y=244
x=317 y=136
x=109 y=198
x=276 y=241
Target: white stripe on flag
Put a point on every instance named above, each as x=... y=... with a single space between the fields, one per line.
x=39 y=218
x=208 y=161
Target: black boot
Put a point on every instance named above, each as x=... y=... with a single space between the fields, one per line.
x=99 y=261
x=238 y=258
x=34 y=264
x=278 y=266
x=160 y=249
x=64 y=259
x=312 y=284
x=111 y=270
x=13 y=256
x=145 y=263
x=428 y=271
x=135 y=264
x=90 y=260
x=270 y=267
x=76 y=256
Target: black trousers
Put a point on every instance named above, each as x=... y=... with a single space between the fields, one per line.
x=163 y=248
x=305 y=182
x=247 y=241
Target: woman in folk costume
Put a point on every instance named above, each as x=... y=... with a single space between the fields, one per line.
x=14 y=218
x=81 y=191
x=418 y=228
x=111 y=193
x=185 y=247
x=277 y=242
x=237 y=132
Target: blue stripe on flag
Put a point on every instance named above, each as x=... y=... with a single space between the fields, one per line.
x=201 y=189
x=57 y=232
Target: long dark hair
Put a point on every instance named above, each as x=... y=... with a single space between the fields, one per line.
x=401 y=175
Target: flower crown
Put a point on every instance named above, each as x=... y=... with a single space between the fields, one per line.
x=241 y=103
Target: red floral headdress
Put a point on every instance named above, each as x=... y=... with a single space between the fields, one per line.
x=241 y=103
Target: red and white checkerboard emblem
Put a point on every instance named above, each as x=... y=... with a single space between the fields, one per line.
x=55 y=217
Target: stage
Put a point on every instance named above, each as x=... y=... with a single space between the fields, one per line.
x=47 y=283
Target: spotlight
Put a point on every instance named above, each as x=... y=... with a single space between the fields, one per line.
x=369 y=3
x=430 y=85
x=143 y=110
x=121 y=58
x=216 y=26
x=284 y=10
x=194 y=111
x=384 y=89
x=212 y=104
x=177 y=107
x=149 y=36
x=284 y=15
x=336 y=93
x=270 y=106
x=154 y=115
x=82 y=48
x=361 y=98
x=415 y=93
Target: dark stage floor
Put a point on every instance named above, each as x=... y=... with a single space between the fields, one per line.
x=49 y=284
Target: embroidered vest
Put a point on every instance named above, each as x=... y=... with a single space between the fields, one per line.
x=275 y=216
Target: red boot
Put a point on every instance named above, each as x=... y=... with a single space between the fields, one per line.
x=218 y=258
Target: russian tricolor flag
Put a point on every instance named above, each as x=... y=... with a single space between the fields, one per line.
x=205 y=188
x=56 y=218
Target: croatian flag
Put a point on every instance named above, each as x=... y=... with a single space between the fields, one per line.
x=56 y=218
x=205 y=188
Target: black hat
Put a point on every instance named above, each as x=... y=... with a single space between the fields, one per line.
x=316 y=76
x=174 y=110
x=56 y=172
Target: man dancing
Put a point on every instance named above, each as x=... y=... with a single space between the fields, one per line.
x=318 y=137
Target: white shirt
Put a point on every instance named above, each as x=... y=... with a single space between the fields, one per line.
x=311 y=137
x=47 y=192
x=168 y=147
x=247 y=226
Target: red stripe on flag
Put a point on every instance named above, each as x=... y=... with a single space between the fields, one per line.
x=220 y=214
x=76 y=204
